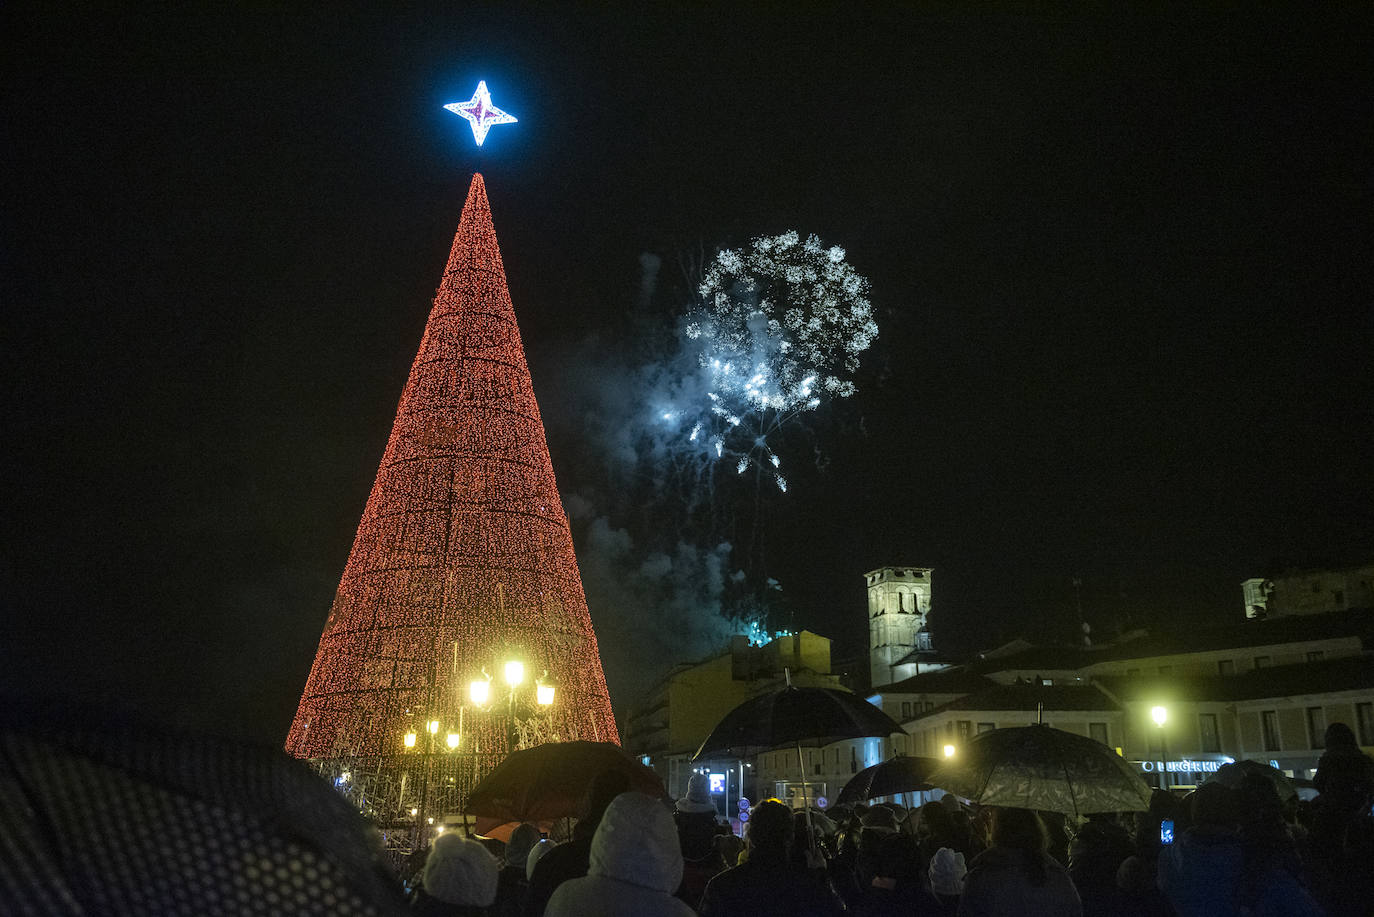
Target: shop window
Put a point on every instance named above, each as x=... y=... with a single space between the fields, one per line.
x=1269 y=723
x=1207 y=727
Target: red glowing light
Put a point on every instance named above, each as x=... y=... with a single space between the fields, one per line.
x=463 y=558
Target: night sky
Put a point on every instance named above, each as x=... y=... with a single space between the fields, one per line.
x=1121 y=265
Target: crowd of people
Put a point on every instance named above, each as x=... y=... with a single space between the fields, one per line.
x=1217 y=851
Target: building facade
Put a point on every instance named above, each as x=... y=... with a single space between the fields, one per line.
x=898 y=604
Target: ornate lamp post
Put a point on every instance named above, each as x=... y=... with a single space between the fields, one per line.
x=433 y=743
x=480 y=692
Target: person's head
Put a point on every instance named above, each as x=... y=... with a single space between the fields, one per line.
x=636 y=842
x=535 y=855
x=1214 y=807
x=1019 y=829
x=770 y=827
x=1259 y=804
x=518 y=847
x=936 y=823
x=729 y=847
x=605 y=787
x=460 y=871
x=1339 y=735
x=947 y=870
x=698 y=798
x=1022 y=830
x=898 y=858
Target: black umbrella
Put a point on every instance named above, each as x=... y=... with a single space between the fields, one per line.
x=99 y=816
x=1037 y=767
x=895 y=775
x=795 y=716
x=1230 y=775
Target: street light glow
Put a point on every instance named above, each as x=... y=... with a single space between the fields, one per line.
x=410 y=740
x=480 y=691
x=949 y=751
x=1160 y=715
x=453 y=739
x=515 y=672
x=544 y=694
x=433 y=726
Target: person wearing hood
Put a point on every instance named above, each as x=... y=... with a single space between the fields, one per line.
x=1095 y=856
x=513 y=883
x=1016 y=875
x=572 y=859
x=1200 y=872
x=767 y=883
x=634 y=868
x=695 y=815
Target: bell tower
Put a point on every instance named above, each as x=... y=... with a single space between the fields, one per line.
x=898 y=603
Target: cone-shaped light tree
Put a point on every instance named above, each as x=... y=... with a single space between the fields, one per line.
x=463 y=561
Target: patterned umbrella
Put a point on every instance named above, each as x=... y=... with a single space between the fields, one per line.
x=100 y=817
x=1230 y=775
x=895 y=775
x=1038 y=767
x=550 y=781
x=795 y=716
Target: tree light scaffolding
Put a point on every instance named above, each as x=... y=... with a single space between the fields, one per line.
x=463 y=556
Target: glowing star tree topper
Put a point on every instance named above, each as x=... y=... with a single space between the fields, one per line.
x=480 y=112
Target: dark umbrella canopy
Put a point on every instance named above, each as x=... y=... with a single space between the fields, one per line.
x=893 y=776
x=110 y=817
x=795 y=716
x=1230 y=775
x=550 y=781
x=1037 y=767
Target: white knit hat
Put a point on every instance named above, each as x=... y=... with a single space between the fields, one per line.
x=460 y=871
x=698 y=798
x=947 y=871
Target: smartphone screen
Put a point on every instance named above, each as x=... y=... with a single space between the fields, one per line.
x=1166 y=831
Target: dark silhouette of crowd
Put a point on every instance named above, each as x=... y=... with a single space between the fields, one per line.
x=1217 y=851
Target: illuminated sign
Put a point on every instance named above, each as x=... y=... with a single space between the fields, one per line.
x=1186 y=766
x=717 y=784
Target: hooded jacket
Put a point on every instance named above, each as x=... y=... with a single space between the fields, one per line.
x=635 y=866
x=997 y=884
x=1199 y=873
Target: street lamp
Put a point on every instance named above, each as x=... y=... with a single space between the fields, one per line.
x=949 y=751
x=513 y=674
x=1161 y=716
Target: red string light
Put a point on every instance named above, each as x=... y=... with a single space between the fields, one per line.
x=463 y=558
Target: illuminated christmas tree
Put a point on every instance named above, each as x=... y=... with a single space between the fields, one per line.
x=463 y=561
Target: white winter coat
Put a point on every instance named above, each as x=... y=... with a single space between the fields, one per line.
x=635 y=866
